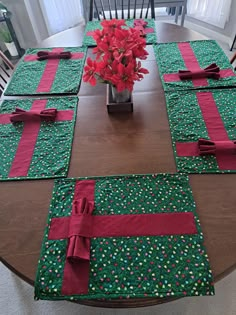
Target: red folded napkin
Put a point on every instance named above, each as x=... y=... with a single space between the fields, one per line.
x=211 y=71
x=21 y=115
x=80 y=230
x=140 y=25
x=140 y=22
x=212 y=147
x=43 y=55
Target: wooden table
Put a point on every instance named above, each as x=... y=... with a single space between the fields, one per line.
x=130 y=143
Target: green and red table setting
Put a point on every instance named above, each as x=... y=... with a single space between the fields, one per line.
x=91 y=26
x=36 y=137
x=193 y=65
x=203 y=129
x=48 y=71
x=118 y=237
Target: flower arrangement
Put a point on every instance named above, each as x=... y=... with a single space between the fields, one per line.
x=117 y=51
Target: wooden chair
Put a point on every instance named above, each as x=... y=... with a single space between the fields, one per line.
x=6 y=69
x=124 y=9
x=233 y=59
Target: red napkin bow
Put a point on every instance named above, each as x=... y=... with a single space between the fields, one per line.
x=80 y=230
x=211 y=71
x=43 y=55
x=140 y=26
x=21 y=115
x=212 y=147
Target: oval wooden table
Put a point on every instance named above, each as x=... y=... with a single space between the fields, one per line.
x=130 y=143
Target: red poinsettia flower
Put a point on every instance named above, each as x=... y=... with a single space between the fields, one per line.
x=125 y=77
x=90 y=71
x=98 y=35
x=116 y=53
x=139 y=71
x=111 y=25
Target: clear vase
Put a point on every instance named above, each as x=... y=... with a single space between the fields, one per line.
x=120 y=97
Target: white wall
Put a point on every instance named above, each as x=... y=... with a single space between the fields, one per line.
x=230 y=27
x=24 y=12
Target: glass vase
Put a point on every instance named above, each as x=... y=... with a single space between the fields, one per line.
x=120 y=97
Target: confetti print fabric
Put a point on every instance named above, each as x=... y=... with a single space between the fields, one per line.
x=126 y=267
x=172 y=57
x=191 y=117
x=51 y=153
x=91 y=26
x=65 y=77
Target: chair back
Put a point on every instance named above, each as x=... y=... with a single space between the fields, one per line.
x=6 y=70
x=121 y=9
x=232 y=60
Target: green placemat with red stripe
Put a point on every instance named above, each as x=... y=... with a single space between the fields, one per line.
x=171 y=263
x=192 y=55
x=151 y=38
x=36 y=149
x=54 y=76
x=209 y=115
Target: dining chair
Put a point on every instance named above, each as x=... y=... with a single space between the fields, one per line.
x=131 y=9
x=232 y=60
x=6 y=70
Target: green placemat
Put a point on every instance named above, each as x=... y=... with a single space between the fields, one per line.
x=172 y=57
x=91 y=26
x=126 y=267
x=56 y=76
x=39 y=149
x=202 y=114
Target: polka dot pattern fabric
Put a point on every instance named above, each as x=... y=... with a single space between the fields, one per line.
x=28 y=74
x=128 y=267
x=51 y=154
x=170 y=60
x=188 y=124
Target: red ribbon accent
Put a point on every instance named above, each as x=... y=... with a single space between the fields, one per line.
x=43 y=55
x=80 y=230
x=212 y=71
x=212 y=147
x=21 y=115
x=140 y=25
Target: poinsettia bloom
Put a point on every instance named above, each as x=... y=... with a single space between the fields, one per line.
x=125 y=77
x=139 y=71
x=116 y=53
x=90 y=71
x=102 y=49
x=98 y=35
x=111 y=25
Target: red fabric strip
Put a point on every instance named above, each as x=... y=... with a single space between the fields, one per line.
x=226 y=161
x=64 y=115
x=148 y=30
x=130 y=225
x=90 y=33
x=5 y=119
x=187 y=149
x=25 y=149
x=49 y=73
x=191 y=62
x=174 y=77
x=214 y=124
x=78 y=55
x=76 y=275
